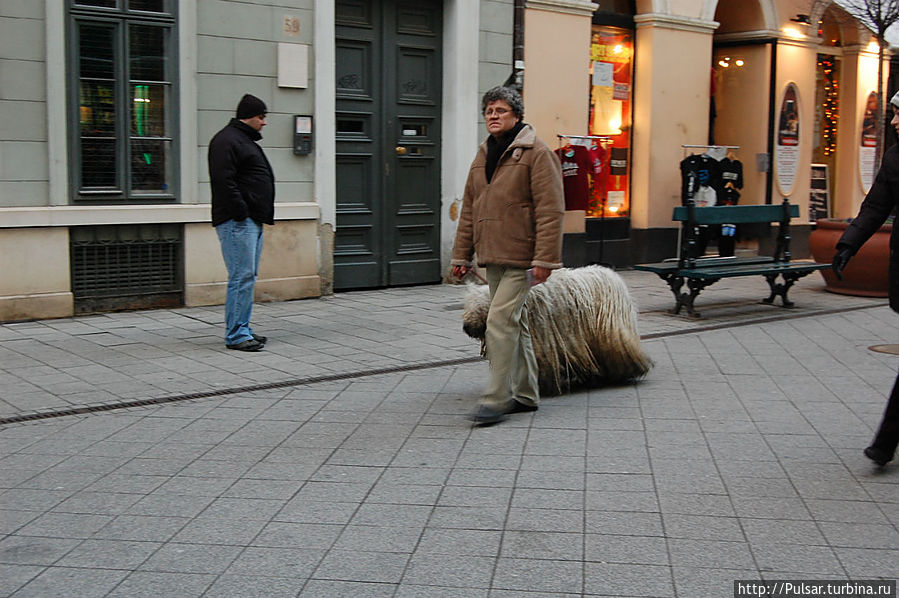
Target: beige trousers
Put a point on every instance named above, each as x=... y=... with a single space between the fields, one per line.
x=513 y=367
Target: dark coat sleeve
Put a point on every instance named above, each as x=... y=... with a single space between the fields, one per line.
x=880 y=202
x=463 y=247
x=878 y=205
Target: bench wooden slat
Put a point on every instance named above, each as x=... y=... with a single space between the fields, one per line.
x=704 y=262
x=736 y=214
x=752 y=269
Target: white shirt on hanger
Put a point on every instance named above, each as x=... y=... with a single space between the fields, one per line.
x=717 y=152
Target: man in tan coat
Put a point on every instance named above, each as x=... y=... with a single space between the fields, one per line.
x=512 y=221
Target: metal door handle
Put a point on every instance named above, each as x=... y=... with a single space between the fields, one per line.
x=400 y=150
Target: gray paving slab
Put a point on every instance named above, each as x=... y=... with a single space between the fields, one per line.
x=737 y=457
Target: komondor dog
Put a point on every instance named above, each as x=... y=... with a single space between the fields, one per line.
x=583 y=325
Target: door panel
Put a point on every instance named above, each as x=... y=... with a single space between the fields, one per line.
x=388 y=136
x=357 y=246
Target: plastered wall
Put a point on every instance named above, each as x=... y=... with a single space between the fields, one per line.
x=671 y=108
x=556 y=84
x=34 y=280
x=287 y=269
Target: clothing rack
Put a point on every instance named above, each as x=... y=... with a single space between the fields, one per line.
x=585 y=137
x=687 y=146
x=602 y=210
x=711 y=150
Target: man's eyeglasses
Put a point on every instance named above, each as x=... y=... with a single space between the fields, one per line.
x=496 y=112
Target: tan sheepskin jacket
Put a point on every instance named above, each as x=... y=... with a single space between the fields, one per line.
x=516 y=219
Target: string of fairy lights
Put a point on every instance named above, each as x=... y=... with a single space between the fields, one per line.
x=830 y=105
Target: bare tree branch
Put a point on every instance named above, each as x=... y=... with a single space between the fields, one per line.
x=877 y=15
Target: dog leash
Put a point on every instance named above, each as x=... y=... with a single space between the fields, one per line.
x=472 y=271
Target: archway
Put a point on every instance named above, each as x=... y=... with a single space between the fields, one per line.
x=740 y=107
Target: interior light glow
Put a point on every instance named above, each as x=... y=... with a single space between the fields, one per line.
x=739 y=62
x=793 y=32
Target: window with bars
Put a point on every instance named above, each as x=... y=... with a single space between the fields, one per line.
x=123 y=96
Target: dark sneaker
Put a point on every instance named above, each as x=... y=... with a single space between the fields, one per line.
x=877 y=455
x=259 y=338
x=248 y=345
x=486 y=416
x=519 y=407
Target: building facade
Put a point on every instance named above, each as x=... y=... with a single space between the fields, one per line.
x=106 y=107
x=784 y=87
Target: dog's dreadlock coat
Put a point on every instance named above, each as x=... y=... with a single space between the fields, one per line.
x=583 y=326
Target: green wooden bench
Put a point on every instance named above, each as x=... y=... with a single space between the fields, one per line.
x=698 y=272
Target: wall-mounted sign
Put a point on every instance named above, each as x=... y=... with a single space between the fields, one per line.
x=786 y=152
x=868 y=145
x=291 y=25
x=293 y=65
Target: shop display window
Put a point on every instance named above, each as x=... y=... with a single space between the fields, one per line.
x=611 y=96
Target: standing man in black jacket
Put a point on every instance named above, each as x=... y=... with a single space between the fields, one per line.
x=881 y=201
x=243 y=199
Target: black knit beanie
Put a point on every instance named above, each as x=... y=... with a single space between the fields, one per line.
x=250 y=106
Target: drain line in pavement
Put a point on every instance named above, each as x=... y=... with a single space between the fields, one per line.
x=127 y=404
x=764 y=320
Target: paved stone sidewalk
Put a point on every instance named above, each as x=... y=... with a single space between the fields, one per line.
x=738 y=457
x=106 y=359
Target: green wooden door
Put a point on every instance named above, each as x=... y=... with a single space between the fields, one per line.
x=388 y=143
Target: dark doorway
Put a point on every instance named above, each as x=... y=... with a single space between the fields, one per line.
x=388 y=143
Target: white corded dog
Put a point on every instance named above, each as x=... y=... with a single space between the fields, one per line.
x=583 y=326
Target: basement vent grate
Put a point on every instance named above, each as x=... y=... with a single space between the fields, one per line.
x=126 y=267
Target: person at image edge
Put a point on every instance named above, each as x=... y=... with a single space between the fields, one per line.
x=881 y=201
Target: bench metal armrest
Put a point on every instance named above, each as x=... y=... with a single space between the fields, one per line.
x=782 y=250
x=687 y=257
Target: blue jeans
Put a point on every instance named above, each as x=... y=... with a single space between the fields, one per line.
x=241 y=248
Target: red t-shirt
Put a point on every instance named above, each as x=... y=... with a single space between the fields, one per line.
x=576 y=169
x=600 y=174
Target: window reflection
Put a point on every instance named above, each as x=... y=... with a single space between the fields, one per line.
x=125 y=145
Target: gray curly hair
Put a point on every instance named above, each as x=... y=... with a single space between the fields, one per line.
x=507 y=95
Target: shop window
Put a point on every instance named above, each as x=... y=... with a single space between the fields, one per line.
x=611 y=97
x=123 y=98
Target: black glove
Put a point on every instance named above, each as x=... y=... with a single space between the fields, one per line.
x=840 y=259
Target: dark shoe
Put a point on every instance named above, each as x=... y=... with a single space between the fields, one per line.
x=259 y=338
x=519 y=407
x=486 y=416
x=877 y=455
x=248 y=345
